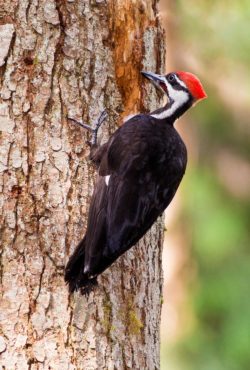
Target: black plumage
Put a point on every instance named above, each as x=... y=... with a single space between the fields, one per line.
x=146 y=160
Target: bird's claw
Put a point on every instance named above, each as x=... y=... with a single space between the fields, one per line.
x=97 y=125
x=100 y=119
x=94 y=130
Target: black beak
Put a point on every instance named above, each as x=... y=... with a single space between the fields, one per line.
x=152 y=76
x=157 y=80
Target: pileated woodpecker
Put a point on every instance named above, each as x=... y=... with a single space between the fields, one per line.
x=140 y=169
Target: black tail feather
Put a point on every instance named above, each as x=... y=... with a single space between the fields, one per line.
x=74 y=272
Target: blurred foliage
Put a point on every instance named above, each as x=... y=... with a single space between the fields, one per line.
x=216 y=33
x=219 y=228
x=217 y=127
x=221 y=27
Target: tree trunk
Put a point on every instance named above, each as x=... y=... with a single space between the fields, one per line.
x=58 y=59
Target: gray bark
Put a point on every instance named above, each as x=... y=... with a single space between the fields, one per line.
x=58 y=59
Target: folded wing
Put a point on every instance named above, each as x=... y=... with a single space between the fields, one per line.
x=145 y=172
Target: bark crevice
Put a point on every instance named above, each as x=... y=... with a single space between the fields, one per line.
x=71 y=58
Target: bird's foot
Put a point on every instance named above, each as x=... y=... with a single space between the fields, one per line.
x=93 y=129
x=89 y=286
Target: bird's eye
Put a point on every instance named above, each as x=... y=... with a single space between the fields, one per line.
x=171 y=77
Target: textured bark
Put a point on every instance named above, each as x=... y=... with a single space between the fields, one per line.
x=58 y=59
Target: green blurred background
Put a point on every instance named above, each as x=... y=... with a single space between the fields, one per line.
x=206 y=310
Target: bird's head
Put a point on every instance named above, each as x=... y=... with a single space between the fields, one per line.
x=180 y=87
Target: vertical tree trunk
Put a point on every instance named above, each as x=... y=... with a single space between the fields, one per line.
x=58 y=59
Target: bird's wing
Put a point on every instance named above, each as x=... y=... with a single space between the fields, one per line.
x=143 y=181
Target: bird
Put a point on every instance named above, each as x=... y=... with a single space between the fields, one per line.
x=140 y=169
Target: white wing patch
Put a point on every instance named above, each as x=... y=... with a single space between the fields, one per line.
x=107 y=179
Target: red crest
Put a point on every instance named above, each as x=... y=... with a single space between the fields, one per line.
x=193 y=84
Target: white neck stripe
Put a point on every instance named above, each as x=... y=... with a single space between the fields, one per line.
x=179 y=97
x=166 y=113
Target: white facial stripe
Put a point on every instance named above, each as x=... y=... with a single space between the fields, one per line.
x=107 y=179
x=179 y=98
x=180 y=82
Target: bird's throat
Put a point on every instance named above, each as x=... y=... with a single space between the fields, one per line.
x=172 y=110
